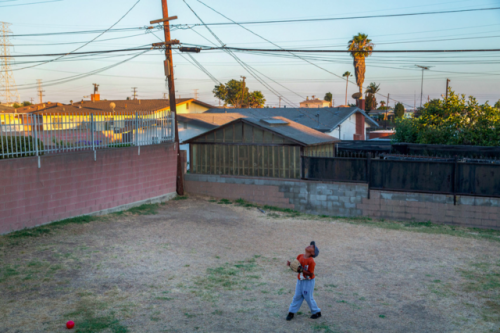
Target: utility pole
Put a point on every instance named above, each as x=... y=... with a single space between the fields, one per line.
x=280 y=102
x=40 y=91
x=134 y=91
x=195 y=93
x=31 y=99
x=165 y=95
x=447 y=82
x=243 y=91
x=424 y=68
x=387 y=109
x=169 y=69
x=414 y=101
x=7 y=82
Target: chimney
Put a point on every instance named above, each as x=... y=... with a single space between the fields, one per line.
x=307 y=98
x=313 y=97
x=139 y=101
x=71 y=102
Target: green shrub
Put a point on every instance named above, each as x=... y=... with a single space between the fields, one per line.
x=19 y=146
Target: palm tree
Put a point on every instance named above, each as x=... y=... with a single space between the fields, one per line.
x=373 y=88
x=346 y=75
x=371 y=100
x=360 y=47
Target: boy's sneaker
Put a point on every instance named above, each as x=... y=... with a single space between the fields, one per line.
x=316 y=315
x=290 y=316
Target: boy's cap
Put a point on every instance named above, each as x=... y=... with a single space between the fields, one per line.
x=316 y=250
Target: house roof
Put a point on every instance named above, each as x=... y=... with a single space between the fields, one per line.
x=208 y=120
x=121 y=106
x=329 y=118
x=5 y=109
x=291 y=130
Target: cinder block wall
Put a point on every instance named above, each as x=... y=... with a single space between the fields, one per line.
x=351 y=200
x=73 y=184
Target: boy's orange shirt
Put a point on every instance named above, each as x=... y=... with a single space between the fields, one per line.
x=307 y=264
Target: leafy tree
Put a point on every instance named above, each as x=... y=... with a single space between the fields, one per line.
x=16 y=105
x=360 y=47
x=328 y=97
x=497 y=104
x=232 y=93
x=399 y=110
x=455 y=121
x=371 y=103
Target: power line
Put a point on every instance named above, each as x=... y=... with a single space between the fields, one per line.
x=83 y=75
x=90 y=41
x=31 y=3
x=259 y=37
x=78 y=32
x=69 y=43
x=354 y=17
x=77 y=53
x=244 y=65
x=347 y=51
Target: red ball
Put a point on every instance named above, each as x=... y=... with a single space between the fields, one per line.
x=70 y=324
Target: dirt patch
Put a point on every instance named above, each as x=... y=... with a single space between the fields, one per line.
x=215 y=266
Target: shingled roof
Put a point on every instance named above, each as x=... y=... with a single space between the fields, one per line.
x=329 y=118
x=293 y=131
x=97 y=107
x=208 y=120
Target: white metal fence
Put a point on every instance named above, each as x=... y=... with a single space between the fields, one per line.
x=38 y=134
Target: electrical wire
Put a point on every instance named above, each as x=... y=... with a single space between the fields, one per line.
x=80 y=47
x=69 y=43
x=353 y=17
x=245 y=66
x=347 y=51
x=79 y=76
x=76 y=32
x=272 y=42
x=31 y=3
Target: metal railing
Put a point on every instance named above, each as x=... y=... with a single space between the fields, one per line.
x=38 y=134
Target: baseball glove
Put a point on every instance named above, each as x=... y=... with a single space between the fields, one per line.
x=296 y=266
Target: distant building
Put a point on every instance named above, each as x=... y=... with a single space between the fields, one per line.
x=347 y=123
x=315 y=103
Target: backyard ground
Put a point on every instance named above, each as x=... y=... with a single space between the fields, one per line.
x=201 y=265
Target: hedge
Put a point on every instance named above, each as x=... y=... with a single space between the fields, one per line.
x=17 y=146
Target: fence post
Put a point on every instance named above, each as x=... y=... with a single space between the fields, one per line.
x=368 y=171
x=455 y=178
x=92 y=131
x=35 y=133
x=302 y=167
x=137 y=133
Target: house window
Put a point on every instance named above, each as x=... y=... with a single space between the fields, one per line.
x=187 y=106
x=57 y=123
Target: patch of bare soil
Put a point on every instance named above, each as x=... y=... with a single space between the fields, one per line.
x=201 y=266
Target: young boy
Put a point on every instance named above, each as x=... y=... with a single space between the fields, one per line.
x=305 y=283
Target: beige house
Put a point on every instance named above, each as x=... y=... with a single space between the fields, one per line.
x=315 y=103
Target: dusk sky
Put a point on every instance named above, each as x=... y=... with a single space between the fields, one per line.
x=476 y=74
